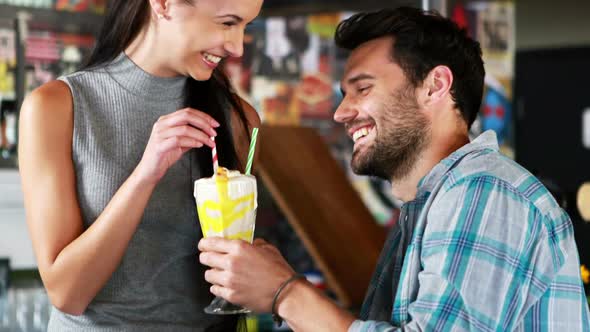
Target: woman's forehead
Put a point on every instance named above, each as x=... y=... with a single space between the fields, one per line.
x=245 y=9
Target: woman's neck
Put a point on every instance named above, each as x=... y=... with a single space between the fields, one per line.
x=146 y=52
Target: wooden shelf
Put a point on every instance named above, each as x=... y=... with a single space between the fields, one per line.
x=56 y=20
x=306 y=7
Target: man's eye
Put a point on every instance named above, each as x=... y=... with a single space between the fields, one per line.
x=363 y=89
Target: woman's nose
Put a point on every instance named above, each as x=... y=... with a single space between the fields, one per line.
x=234 y=44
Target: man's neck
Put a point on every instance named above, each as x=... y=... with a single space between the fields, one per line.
x=439 y=148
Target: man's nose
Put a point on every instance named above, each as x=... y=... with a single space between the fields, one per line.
x=345 y=112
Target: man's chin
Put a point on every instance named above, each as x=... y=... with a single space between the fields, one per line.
x=358 y=170
x=362 y=168
x=360 y=162
x=356 y=165
x=366 y=167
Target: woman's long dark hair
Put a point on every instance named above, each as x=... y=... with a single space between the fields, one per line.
x=123 y=22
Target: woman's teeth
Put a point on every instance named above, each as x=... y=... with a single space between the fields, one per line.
x=212 y=58
x=362 y=132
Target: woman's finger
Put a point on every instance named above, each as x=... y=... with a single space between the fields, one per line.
x=191 y=110
x=188 y=117
x=183 y=143
x=189 y=132
x=204 y=115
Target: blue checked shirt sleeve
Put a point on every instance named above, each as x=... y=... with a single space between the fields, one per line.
x=484 y=259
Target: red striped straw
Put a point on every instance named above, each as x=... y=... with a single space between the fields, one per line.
x=214 y=153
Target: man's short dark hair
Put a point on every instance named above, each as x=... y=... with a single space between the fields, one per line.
x=422 y=41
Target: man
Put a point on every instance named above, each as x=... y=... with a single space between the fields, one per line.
x=480 y=244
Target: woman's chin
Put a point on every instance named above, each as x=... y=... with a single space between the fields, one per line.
x=200 y=74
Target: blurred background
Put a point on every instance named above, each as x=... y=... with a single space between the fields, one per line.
x=537 y=57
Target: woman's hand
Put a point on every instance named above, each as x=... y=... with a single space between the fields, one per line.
x=243 y=273
x=173 y=135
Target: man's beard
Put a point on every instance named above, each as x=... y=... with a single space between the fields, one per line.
x=402 y=135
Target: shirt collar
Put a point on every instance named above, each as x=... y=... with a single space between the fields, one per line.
x=141 y=83
x=485 y=141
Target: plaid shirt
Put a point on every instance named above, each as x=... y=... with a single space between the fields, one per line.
x=483 y=247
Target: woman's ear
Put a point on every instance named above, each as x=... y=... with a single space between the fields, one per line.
x=159 y=8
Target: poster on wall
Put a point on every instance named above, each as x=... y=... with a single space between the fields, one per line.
x=42 y=54
x=492 y=23
x=496 y=34
x=292 y=76
x=94 y=6
x=276 y=71
x=49 y=55
x=8 y=113
x=315 y=89
x=28 y=3
x=7 y=60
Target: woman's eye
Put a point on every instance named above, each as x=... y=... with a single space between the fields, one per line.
x=229 y=24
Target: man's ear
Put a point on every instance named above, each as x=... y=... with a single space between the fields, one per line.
x=437 y=85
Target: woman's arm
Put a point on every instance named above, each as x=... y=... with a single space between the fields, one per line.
x=75 y=263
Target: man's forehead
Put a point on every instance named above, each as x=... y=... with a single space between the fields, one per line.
x=369 y=57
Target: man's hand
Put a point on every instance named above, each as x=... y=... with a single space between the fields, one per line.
x=243 y=273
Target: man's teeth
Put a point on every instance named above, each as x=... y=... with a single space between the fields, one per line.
x=361 y=133
x=212 y=58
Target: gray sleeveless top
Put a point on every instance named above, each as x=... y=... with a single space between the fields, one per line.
x=159 y=285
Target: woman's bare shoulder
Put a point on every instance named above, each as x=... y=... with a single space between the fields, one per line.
x=52 y=99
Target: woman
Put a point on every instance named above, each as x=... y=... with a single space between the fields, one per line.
x=108 y=157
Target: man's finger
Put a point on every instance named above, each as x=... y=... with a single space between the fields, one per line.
x=223 y=292
x=259 y=242
x=217 y=244
x=215 y=277
x=214 y=260
x=265 y=245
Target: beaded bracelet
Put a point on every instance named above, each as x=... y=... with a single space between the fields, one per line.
x=275 y=316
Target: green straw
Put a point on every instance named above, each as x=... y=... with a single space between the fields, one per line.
x=251 y=151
